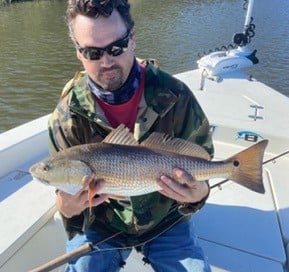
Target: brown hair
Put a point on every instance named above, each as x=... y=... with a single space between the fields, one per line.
x=95 y=8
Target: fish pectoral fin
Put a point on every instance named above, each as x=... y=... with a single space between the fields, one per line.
x=176 y=145
x=120 y=135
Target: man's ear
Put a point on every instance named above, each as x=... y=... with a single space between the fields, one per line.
x=79 y=55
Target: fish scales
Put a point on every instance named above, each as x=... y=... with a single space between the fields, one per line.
x=132 y=169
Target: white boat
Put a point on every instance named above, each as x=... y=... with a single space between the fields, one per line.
x=240 y=230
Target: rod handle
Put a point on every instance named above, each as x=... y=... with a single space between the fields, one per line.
x=65 y=258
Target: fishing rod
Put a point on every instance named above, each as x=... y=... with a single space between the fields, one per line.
x=219 y=184
x=89 y=247
x=80 y=251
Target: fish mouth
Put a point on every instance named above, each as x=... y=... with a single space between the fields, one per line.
x=44 y=181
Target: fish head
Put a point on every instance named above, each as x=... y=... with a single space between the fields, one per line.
x=61 y=172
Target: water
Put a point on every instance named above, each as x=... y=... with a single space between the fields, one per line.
x=37 y=57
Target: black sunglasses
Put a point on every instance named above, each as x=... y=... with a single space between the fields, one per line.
x=114 y=49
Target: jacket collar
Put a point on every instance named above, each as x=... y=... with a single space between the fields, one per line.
x=155 y=101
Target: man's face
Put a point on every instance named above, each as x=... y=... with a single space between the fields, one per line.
x=110 y=72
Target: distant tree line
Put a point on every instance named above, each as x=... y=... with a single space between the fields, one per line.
x=5 y=2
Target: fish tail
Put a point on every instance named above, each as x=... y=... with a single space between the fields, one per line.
x=247 y=167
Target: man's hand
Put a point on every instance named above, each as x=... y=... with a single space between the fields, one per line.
x=71 y=205
x=183 y=187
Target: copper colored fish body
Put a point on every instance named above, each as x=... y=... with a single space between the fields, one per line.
x=131 y=169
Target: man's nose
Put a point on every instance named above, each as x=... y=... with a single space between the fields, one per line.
x=107 y=60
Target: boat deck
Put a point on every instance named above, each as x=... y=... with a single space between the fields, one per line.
x=239 y=230
x=253 y=227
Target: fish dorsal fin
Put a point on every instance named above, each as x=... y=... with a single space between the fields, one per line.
x=120 y=135
x=176 y=145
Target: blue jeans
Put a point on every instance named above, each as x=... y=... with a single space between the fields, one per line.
x=176 y=250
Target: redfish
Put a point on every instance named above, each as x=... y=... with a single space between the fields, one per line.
x=129 y=168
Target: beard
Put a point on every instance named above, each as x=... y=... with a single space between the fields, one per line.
x=111 y=78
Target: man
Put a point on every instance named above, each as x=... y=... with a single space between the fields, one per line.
x=114 y=89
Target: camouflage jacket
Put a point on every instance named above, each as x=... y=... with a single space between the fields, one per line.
x=167 y=106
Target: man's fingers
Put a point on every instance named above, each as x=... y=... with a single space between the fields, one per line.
x=170 y=187
x=184 y=177
x=88 y=183
x=86 y=180
x=98 y=200
x=95 y=186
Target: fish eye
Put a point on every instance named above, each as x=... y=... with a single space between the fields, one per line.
x=236 y=163
x=45 y=167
